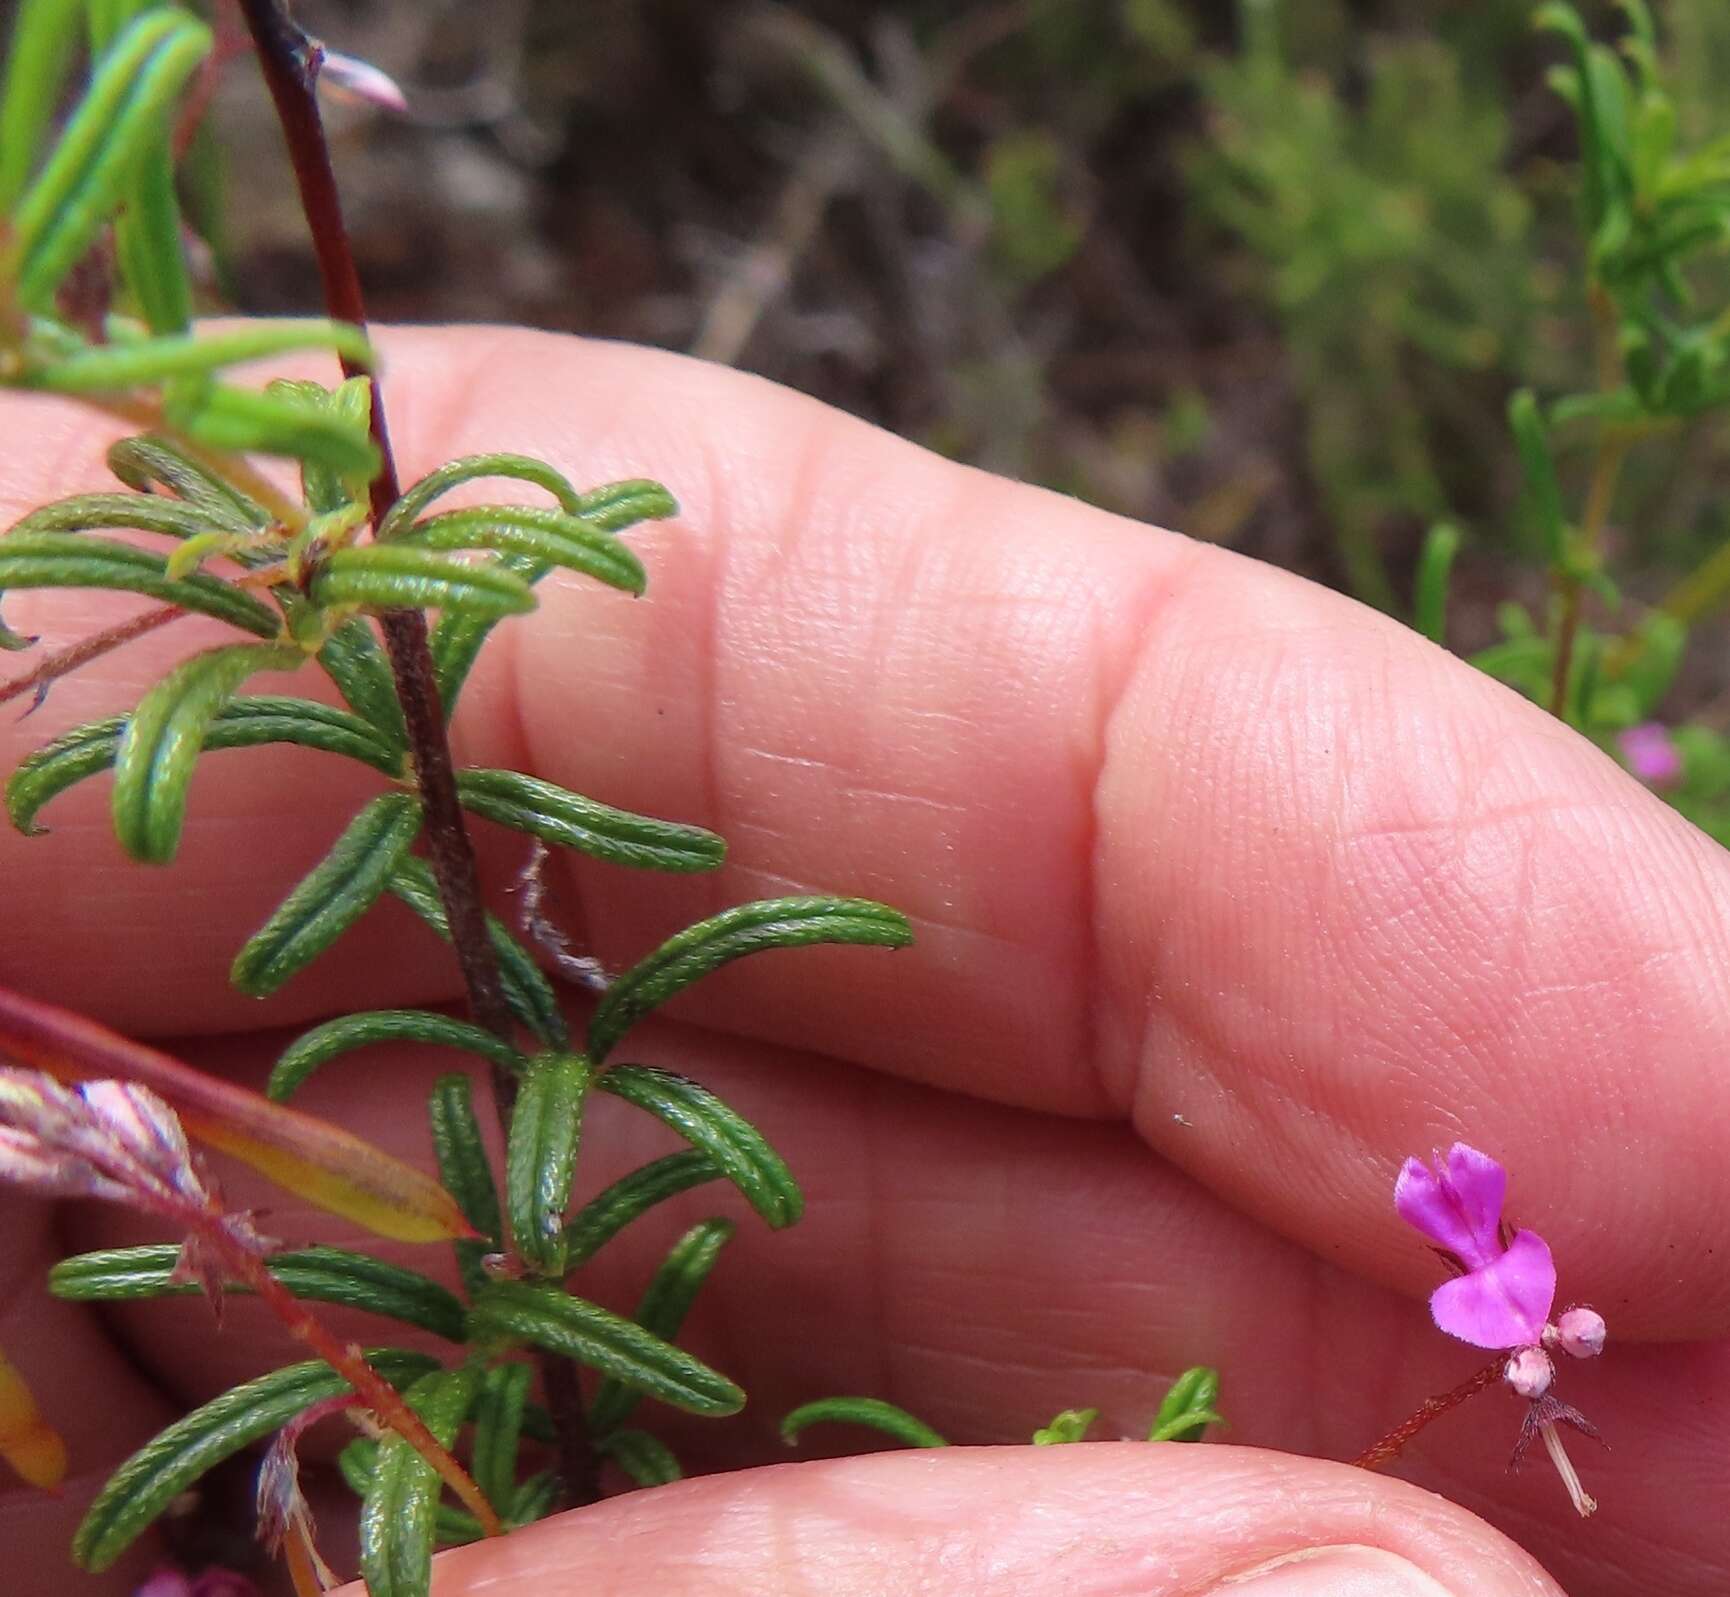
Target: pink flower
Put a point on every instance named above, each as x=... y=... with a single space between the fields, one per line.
x=1651 y=754
x=1503 y=1299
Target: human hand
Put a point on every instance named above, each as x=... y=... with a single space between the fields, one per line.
x=1228 y=895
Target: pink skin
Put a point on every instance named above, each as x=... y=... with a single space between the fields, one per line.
x=1228 y=894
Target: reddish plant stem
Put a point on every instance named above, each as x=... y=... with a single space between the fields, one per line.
x=69 y=659
x=376 y=1393
x=1389 y=1446
x=289 y=61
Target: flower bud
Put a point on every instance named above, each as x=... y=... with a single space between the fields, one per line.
x=1529 y=1372
x=1580 y=1332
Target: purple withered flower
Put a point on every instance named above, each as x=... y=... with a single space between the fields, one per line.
x=1504 y=1292
x=119 y=1142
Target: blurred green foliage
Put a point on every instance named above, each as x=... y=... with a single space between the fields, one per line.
x=1370 y=192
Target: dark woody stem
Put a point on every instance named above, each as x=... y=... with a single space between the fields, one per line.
x=1389 y=1446
x=289 y=60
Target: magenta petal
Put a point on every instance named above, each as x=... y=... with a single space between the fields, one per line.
x=1458 y=1205
x=1506 y=1302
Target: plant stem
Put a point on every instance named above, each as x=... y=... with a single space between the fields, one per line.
x=1600 y=495
x=55 y=666
x=371 y=1388
x=1433 y=1408
x=289 y=61
x=1611 y=451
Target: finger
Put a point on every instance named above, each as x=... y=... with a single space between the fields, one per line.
x=86 y=1390
x=1161 y=1521
x=1181 y=836
x=987 y=1268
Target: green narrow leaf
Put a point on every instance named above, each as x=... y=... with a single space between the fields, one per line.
x=398 y=1513
x=358 y=1465
x=537 y=1497
x=239 y=420
x=546 y=536
x=242 y=724
x=149 y=1481
x=527 y=990
x=472 y=468
x=139 y=512
x=148 y=461
x=1435 y=569
x=867 y=1411
x=325 y=1275
x=118 y=368
x=13 y=642
x=70 y=560
x=540 y=1158
x=498 y=1433
x=735 y=1145
x=147 y=241
x=544 y=810
x=332 y=896
x=457 y=638
x=164 y=737
x=546 y=1316
x=1070 y=1426
x=663 y=1309
x=399 y=576
x=38 y=59
x=648 y=1461
x=323 y=490
x=1187 y=1409
x=106 y=19
x=747 y=929
x=606 y=1214
x=377 y=1026
x=78 y=188
x=354 y=660
x=1533 y=444
x=466 y=1174
x=616 y=505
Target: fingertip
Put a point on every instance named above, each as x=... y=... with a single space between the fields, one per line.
x=1126 y=1519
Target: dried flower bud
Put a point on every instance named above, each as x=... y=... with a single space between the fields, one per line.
x=347 y=77
x=1529 y=1372
x=1580 y=1333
